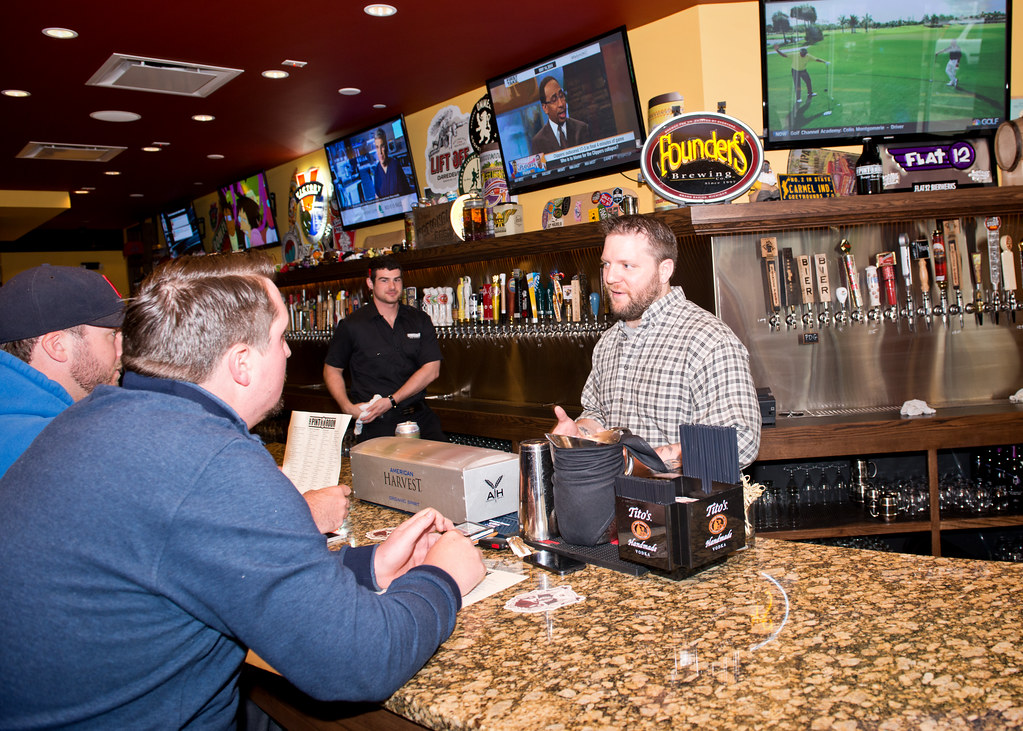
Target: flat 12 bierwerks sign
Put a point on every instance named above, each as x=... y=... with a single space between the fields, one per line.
x=702 y=157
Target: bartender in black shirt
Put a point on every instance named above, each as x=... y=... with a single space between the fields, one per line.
x=389 y=349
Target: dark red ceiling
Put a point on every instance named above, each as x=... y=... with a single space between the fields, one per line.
x=425 y=54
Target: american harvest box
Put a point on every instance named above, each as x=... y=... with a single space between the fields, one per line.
x=462 y=482
x=674 y=525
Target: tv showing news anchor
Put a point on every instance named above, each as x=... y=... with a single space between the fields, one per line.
x=571 y=115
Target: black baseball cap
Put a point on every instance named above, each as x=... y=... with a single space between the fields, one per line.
x=47 y=298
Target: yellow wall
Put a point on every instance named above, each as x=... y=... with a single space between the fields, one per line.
x=112 y=263
x=708 y=53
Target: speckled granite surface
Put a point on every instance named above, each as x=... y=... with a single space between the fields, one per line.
x=783 y=636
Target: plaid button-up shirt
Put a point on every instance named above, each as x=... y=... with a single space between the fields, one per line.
x=681 y=365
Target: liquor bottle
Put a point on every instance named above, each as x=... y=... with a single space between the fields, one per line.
x=868 y=169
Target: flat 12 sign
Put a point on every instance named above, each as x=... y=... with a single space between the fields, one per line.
x=959 y=155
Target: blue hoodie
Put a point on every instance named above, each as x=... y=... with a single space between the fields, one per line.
x=189 y=546
x=28 y=402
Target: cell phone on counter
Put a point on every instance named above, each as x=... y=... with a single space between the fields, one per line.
x=554 y=562
x=475 y=531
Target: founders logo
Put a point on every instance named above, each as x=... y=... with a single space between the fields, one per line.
x=702 y=157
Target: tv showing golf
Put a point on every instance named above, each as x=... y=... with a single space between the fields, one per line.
x=836 y=71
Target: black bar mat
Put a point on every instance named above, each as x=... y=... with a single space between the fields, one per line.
x=605 y=555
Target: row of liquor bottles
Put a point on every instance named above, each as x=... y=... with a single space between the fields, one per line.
x=799 y=292
x=527 y=298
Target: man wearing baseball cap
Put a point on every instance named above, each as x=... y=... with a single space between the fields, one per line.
x=60 y=337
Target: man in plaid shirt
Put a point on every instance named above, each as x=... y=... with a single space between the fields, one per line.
x=667 y=361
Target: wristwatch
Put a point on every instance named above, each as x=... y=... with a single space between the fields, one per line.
x=394 y=404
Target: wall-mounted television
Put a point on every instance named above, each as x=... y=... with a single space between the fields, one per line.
x=570 y=115
x=181 y=231
x=836 y=71
x=248 y=212
x=373 y=175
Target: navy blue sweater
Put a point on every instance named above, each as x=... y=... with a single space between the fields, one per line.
x=147 y=539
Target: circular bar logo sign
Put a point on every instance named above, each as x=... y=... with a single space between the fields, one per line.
x=702 y=157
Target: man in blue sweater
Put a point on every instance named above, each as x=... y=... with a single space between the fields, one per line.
x=60 y=337
x=190 y=545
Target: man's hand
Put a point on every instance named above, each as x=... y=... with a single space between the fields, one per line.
x=372 y=409
x=671 y=455
x=413 y=542
x=571 y=428
x=456 y=554
x=566 y=425
x=329 y=506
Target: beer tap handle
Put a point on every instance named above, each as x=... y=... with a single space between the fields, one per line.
x=823 y=287
x=789 y=272
x=907 y=277
x=1009 y=273
x=806 y=288
x=977 y=264
x=769 y=254
x=955 y=276
x=923 y=274
x=994 y=259
x=873 y=291
x=841 y=294
x=921 y=253
x=852 y=277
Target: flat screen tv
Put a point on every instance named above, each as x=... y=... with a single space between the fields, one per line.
x=248 y=213
x=181 y=231
x=588 y=92
x=836 y=71
x=374 y=179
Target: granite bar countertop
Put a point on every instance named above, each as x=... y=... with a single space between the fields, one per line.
x=784 y=636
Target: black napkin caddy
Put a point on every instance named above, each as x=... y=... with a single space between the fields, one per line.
x=674 y=525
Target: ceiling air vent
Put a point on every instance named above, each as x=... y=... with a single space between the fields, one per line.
x=58 y=151
x=163 y=77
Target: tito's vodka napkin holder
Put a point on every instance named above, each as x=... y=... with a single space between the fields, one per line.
x=676 y=527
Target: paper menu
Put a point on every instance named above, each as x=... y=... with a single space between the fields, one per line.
x=312 y=455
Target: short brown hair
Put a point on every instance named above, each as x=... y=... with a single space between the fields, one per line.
x=190 y=310
x=21 y=349
x=662 y=242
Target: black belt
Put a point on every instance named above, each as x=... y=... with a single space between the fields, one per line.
x=412 y=410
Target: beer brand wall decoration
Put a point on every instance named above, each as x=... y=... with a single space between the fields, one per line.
x=447 y=146
x=702 y=157
x=311 y=196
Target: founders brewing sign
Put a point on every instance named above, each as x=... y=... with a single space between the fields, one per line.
x=702 y=157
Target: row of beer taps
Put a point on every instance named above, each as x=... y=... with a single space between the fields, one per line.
x=800 y=294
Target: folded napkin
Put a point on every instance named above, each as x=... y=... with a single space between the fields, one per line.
x=358 y=422
x=916 y=407
x=1017 y=398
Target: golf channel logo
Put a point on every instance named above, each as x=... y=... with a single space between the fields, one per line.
x=702 y=157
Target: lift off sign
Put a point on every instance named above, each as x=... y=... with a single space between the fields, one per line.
x=702 y=157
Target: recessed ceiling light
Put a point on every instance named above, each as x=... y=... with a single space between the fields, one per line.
x=62 y=33
x=275 y=74
x=349 y=91
x=215 y=156
x=81 y=191
x=111 y=172
x=113 y=115
x=151 y=148
x=15 y=93
x=380 y=106
x=136 y=195
x=379 y=10
x=203 y=117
